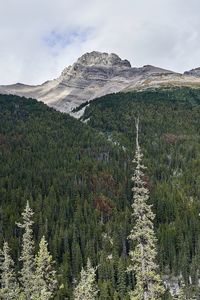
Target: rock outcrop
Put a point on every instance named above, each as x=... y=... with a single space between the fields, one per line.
x=193 y=72
x=103 y=59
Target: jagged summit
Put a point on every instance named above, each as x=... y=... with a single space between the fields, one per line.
x=96 y=58
x=96 y=74
x=101 y=60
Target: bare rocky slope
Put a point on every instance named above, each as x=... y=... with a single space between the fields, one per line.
x=96 y=74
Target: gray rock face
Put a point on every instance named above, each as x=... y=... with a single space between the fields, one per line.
x=193 y=72
x=103 y=59
x=93 y=75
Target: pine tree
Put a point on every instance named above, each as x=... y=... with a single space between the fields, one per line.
x=9 y=287
x=27 y=255
x=45 y=276
x=143 y=257
x=86 y=288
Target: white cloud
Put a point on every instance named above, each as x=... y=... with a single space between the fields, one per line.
x=41 y=37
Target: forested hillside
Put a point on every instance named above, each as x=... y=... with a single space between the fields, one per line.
x=75 y=181
x=170 y=136
x=77 y=178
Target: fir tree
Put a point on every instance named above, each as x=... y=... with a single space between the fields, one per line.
x=9 y=287
x=86 y=288
x=45 y=276
x=143 y=257
x=27 y=255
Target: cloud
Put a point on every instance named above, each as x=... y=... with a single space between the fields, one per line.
x=64 y=39
x=40 y=38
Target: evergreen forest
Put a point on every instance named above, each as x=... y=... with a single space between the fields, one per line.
x=76 y=175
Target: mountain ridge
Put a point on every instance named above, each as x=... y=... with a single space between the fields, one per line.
x=96 y=74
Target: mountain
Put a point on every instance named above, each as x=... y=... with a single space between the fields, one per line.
x=93 y=75
x=96 y=74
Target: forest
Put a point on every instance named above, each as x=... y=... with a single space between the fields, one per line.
x=76 y=175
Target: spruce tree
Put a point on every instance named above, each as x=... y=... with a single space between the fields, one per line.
x=86 y=288
x=143 y=256
x=45 y=276
x=9 y=287
x=27 y=254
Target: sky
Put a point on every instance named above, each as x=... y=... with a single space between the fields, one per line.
x=39 y=38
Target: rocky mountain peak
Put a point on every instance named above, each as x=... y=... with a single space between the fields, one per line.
x=96 y=58
x=95 y=74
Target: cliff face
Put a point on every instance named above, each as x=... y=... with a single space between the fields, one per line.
x=93 y=75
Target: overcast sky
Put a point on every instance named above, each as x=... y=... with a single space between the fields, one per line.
x=38 y=38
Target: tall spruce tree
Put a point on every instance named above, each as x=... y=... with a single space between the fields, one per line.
x=45 y=276
x=86 y=288
x=143 y=256
x=9 y=289
x=27 y=254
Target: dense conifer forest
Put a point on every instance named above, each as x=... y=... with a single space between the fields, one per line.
x=76 y=176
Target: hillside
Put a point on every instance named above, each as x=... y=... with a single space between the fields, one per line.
x=74 y=178
x=170 y=140
x=77 y=178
